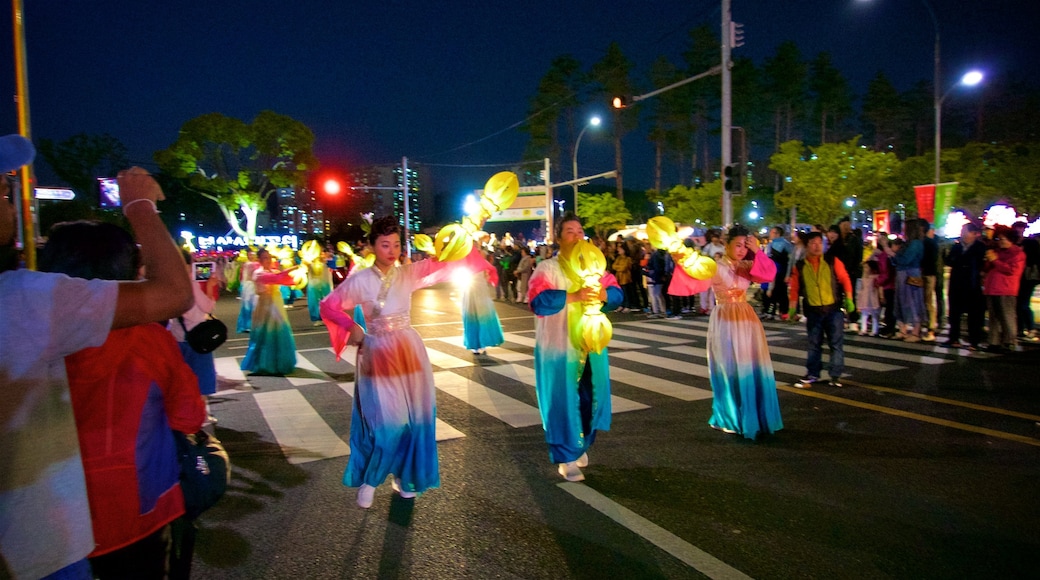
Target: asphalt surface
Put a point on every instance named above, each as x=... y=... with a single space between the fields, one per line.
x=923 y=466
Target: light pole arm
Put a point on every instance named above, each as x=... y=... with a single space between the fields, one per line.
x=717 y=69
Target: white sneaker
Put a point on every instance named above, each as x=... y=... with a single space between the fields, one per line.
x=570 y=471
x=365 y=494
x=582 y=461
x=396 y=484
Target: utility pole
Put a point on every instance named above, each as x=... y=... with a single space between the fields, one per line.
x=26 y=207
x=404 y=182
x=727 y=110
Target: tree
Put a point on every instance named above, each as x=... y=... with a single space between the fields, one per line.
x=612 y=73
x=819 y=181
x=883 y=113
x=695 y=205
x=602 y=212
x=237 y=165
x=79 y=161
x=703 y=96
x=669 y=117
x=556 y=100
x=784 y=79
x=832 y=95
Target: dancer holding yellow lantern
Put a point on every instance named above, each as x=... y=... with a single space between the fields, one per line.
x=572 y=378
x=743 y=386
x=319 y=277
x=393 y=425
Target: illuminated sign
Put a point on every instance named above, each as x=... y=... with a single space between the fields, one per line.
x=54 y=193
x=233 y=242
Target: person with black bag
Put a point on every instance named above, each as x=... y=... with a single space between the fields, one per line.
x=200 y=355
x=130 y=458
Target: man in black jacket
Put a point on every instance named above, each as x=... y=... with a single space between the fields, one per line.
x=965 y=260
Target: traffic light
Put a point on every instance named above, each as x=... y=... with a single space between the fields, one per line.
x=731 y=179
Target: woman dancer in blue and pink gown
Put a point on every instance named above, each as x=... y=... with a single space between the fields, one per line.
x=393 y=425
x=272 y=349
x=742 y=381
x=481 y=327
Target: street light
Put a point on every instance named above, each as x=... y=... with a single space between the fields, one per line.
x=593 y=122
x=969 y=79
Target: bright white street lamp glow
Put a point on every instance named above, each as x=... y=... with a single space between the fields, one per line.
x=595 y=121
x=469 y=206
x=850 y=202
x=971 y=78
x=753 y=215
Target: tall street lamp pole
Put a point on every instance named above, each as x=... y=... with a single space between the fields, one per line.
x=969 y=79
x=937 y=99
x=593 y=122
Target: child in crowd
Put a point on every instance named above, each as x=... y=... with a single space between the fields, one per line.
x=869 y=298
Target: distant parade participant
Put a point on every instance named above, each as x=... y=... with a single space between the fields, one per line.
x=319 y=278
x=247 y=291
x=272 y=349
x=573 y=386
x=393 y=425
x=481 y=327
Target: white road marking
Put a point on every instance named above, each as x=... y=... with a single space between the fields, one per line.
x=297 y=428
x=686 y=552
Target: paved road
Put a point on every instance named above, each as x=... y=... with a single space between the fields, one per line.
x=924 y=466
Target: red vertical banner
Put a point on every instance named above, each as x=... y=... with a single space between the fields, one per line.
x=925 y=201
x=881 y=221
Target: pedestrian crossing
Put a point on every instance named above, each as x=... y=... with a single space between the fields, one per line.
x=652 y=362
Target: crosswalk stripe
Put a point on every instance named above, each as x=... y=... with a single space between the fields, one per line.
x=914 y=358
x=687 y=368
x=502 y=407
x=297 y=428
x=779 y=367
x=526 y=375
x=445 y=432
x=665 y=338
x=494 y=351
x=304 y=364
x=228 y=367
x=445 y=360
x=659 y=386
x=855 y=363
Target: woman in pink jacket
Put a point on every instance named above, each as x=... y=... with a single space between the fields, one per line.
x=1004 y=266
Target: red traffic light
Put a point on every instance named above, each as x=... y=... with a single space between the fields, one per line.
x=331 y=186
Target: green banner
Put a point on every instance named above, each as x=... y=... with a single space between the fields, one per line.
x=945 y=197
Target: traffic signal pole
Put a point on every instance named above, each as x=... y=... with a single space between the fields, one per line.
x=727 y=112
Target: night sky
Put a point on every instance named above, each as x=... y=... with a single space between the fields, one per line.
x=380 y=80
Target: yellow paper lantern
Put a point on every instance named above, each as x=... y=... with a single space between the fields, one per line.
x=423 y=243
x=661 y=233
x=591 y=331
x=452 y=243
x=310 y=251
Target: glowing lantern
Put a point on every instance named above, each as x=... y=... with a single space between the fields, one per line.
x=423 y=243
x=661 y=232
x=589 y=328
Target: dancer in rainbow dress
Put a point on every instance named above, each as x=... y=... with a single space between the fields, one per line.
x=744 y=389
x=481 y=327
x=247 y=292
x=319 y=278
x=742 y=380
x=272 y=349
x=572 y=384
x=393 y=425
